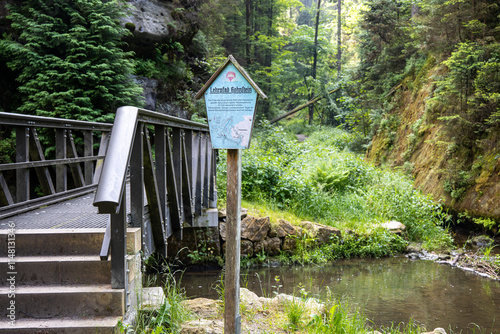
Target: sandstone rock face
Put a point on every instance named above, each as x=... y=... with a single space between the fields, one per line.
x=222 y=230
x=151 y=20
x=258 y=247
x=149 y=91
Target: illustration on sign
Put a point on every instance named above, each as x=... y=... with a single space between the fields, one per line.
x=230 y=102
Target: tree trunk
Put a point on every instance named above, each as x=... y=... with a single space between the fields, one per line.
x=248 y=15
x=315 y=60
x=339 y=37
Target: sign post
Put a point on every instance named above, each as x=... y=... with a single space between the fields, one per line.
x=230 y=100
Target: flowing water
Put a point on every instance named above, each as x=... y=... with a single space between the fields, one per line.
x=388 y=290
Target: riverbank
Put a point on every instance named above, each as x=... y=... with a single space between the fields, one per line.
x=286 y=314
x=385 y=291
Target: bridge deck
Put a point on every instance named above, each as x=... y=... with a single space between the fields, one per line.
x=76 y=213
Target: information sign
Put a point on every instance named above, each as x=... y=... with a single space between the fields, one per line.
x=230 y=100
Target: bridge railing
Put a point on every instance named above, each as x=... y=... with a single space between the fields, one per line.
x=53 y=159
x=169 y=163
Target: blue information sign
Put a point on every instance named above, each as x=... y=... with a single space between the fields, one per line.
x=230 y=102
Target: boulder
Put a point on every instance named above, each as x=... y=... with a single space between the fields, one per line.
x=223 y=215
x=394 y=227
x=150 y=21
x=436 y=331
x=308 y=227
x=276 y=231
x=289 y=244
x=246 y=248
x=258 y=247
x=202 y=326
x=322 y=233
x=325 y=234
x=202 y=307
x=222 y=230
x=288 y=228
x=250 y=299
x=272 y=246
x=255 y=229
x=482 y=241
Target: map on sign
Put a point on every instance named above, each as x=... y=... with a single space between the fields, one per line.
x=230 y=102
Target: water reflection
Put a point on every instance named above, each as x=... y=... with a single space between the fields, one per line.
x=391 y=289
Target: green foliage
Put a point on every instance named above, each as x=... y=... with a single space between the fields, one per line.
x=316 y=181
x=338 y=317
x=69 y=59
x=295 y=313
x=169 y=317
x=374 y=243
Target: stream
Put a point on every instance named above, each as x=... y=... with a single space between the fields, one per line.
x=388 y=290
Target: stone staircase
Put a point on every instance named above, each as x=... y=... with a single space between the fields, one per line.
x=60 y=283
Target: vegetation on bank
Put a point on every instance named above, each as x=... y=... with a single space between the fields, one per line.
x=322 y=180
x=281 y=314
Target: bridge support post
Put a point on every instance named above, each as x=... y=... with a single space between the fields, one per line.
x=119 y=247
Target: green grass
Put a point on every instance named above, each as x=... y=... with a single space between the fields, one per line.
x=321 y=180
x=169 y=317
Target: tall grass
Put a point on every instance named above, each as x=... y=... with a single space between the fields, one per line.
x=169 y=317
x=320 y=180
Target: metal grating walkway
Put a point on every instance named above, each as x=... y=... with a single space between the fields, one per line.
x=76 y=213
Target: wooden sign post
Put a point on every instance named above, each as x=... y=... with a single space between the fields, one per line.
x=230 y=100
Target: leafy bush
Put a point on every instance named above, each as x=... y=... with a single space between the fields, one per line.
x=320 y=180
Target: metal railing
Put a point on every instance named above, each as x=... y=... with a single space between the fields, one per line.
x=167 y=159
x=35 y=178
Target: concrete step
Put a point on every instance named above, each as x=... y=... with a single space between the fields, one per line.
x=57 y=270
x=89 y=325
x=53 y=242
x=64 y=301
x=62 y=242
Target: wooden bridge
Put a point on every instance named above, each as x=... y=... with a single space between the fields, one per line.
x=84 y=203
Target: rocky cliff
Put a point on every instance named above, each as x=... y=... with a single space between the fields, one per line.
x=164 y=36
x=414 y=137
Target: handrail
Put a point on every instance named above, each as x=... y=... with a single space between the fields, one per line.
x=16 y=186
x=178 y=183
x=8 y=118
x=114 y=171
x=110 y=189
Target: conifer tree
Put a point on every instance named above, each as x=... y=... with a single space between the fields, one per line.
x=69 y=58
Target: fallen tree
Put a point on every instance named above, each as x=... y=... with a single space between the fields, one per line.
x=310 y=102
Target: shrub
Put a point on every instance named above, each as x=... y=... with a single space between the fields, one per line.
x=316 y=180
